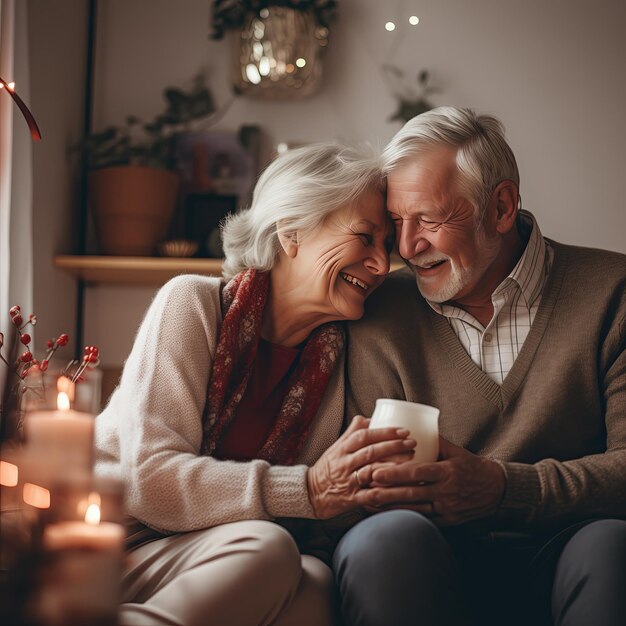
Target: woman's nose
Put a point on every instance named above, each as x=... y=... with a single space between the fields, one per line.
x=378 y=263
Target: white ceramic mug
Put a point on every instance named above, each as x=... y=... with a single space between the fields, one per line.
x=421 y=420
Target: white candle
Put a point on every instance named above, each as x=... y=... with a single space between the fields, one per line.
x=64 y=438
x=82 y=535
x=85 y=569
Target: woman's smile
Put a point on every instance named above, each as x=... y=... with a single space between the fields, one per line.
x=355 y=282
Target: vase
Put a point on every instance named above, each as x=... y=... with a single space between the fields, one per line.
x=278 y=53
x=133 y=207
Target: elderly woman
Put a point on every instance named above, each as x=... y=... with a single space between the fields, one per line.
x=228 y=414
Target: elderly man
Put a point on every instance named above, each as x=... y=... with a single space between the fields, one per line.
x=520 y=341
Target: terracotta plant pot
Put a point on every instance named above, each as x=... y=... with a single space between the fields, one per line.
x=133 y=207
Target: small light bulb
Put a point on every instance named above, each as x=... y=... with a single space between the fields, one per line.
x=252 y=74
x=414 y=20
x=300 y=62
x=264 y=66
x=390 y=26
x=282 y=148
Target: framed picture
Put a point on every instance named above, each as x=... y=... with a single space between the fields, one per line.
x=217 y=173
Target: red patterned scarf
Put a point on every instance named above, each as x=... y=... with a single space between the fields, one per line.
x=243 y=302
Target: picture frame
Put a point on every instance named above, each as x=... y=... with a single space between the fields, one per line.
x=217 y=172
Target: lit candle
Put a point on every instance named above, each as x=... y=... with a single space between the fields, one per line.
x=90 y=534
x=85 y=567
x=63 y=437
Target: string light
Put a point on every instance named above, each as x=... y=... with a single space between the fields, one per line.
x=390 y=26
x=414 y=20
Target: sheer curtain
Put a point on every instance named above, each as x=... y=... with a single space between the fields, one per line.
x=16 y=171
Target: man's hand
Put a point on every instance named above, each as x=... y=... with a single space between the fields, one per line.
x=458 y=488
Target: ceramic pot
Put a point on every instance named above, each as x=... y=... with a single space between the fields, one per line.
x=133 y=207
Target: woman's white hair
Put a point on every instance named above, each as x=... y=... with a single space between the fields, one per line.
x=294 y=194
x=483 y=158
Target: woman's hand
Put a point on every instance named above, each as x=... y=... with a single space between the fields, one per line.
x=336 y=482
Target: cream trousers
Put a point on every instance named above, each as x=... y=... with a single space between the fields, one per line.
x=241 y=574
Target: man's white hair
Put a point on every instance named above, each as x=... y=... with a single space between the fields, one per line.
x=483 y=157
x=293 y=195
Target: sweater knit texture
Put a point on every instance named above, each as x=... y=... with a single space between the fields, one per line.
x=557 y=424
x=150 y=433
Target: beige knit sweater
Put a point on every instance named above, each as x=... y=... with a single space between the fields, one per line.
x=150 y=432
x=557 y=423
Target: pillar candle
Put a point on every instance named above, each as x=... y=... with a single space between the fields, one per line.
x=63 y=438
x=84 y=573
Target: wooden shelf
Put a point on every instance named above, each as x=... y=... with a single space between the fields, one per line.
x=139 y=270
x=134 y=270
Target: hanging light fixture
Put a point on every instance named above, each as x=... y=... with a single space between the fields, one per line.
x=28 y=116
x=277 y=45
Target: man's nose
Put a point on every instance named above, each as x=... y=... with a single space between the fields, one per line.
x=411 y=241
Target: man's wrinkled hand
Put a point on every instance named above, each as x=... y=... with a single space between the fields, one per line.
x=458 y=488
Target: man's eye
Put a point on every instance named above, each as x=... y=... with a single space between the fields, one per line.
x=429 y=225
x=396 y=219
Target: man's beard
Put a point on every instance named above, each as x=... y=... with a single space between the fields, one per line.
x=460 y=277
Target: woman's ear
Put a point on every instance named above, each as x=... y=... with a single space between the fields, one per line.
x=289 y=242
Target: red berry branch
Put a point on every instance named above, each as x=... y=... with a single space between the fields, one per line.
x=90 y=360
x=27 y=363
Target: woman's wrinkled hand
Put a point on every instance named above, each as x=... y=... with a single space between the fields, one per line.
x=338 y=479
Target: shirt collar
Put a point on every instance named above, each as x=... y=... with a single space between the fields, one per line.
x=529 y=273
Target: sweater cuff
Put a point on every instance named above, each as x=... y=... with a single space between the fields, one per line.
x=522 y=494
x=286 y=493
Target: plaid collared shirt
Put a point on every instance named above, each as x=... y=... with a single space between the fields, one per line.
x=515 y=303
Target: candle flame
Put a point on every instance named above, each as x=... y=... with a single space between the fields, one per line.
x=8 y=474
x=92 y=516
x=85 y=503
x=66 y=385
x=36 y=496
x=63 y=401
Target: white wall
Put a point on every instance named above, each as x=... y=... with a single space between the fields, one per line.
x=552 y=70
x=57 y=41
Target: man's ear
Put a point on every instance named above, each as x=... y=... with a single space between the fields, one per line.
x=289 y=242
x=506 y=199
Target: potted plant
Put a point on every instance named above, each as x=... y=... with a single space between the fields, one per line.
x=132 y=185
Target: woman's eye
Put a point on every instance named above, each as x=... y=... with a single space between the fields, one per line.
x=366 y=238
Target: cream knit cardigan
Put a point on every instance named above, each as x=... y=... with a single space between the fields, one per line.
x=151 y=431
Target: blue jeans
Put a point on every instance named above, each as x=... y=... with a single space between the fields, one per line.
x=397 y=568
